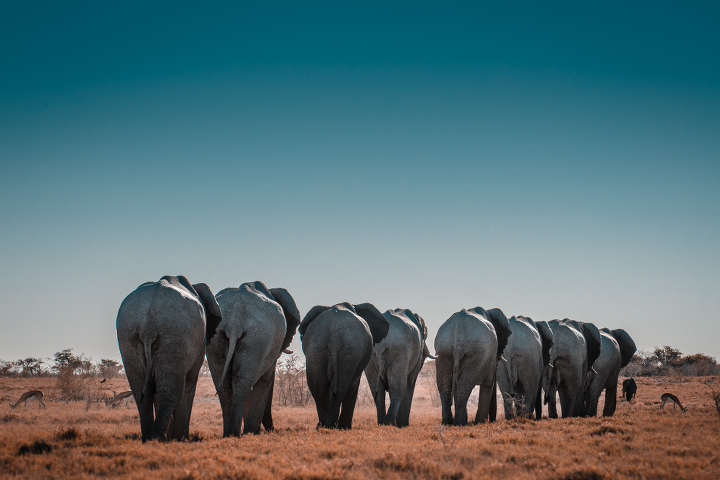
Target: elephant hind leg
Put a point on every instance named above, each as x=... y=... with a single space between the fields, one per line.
x=487 y=402
x=403 y=416
x=610 y=400
x=168 y=398
x=267 y=420
x=348 y=406
x=257 y=400
x=398 y=389
x=444 y=377
x=147 y=417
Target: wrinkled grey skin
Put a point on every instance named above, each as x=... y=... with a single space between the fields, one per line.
x=577 y=346
x=616 y=351
x=395 y=364
x=338 y=343
x=519 y=372
x=257 y=325
x=161 y=334
x=468 y=346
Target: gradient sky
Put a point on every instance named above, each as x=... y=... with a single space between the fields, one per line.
x=554 y=160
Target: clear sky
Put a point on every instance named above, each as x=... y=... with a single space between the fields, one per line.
x=554 y=160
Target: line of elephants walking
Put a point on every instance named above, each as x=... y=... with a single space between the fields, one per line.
x=166 y=328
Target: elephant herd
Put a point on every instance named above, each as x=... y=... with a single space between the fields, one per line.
x=166 y=329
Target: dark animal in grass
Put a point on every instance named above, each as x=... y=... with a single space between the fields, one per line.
x=629 y=388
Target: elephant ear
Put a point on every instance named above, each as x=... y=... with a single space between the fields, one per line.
x=310 y=316
x=378 y=324
x=423 y=327
x=502 y=328
x=627 y=345
x=592 y=340
x=292 y=314
x=213 y=314
x=546 y=335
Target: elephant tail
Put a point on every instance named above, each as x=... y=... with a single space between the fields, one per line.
x=333 y=373
x=455 y=374
x=147 y=346
x=232 y=341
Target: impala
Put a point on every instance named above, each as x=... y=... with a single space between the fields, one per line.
x=669 y=397
x=36 y=395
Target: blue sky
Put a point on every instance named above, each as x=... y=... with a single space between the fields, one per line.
x=551 y=160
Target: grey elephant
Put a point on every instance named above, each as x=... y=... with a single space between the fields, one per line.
x=576 y=347
x=161 y=328
x=395 y=364
x=468 y=346
x=338 y=343
x=257 y=325
x=519 y=373
x=616 y=351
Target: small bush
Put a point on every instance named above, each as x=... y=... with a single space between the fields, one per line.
x=69 y=434
x=606 y=429
x=35 y=448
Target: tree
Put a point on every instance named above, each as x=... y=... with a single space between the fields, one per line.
x=109 y=368
x=75 y=375
x=29 y=366
x=666 y=355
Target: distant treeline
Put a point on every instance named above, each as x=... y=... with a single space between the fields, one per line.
x=63 y=362
x=661 y=361
x=669 y=361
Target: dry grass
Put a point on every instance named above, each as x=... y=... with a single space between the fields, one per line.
x=79 y=440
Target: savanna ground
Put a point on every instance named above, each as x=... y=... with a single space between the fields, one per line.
x=90 y=439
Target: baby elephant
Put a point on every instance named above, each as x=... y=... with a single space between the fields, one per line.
x=629 y=388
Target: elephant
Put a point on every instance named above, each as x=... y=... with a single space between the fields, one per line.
x=161 y=329
x=338 y=343
x=617 y=350
x=468 y=346
x=520 y=369
x=577 y=346
x=629 y=388
x=395 y=364
x=257 y=325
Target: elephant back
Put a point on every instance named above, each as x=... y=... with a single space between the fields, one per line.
x=499 y=322
x=310 y=317
x=411 y=317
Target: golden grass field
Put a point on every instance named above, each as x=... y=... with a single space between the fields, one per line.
x=640 y=441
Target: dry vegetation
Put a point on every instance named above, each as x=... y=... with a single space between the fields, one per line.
x=81 y=439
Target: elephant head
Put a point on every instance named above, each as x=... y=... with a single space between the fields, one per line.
x=627 y=345
x=292 y=315
x=213 y=315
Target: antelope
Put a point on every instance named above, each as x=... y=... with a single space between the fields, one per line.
x=118 y=398
x=37 y=395
x=665 y=397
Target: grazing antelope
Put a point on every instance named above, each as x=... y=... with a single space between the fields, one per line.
x=36 y=395
x=665 y=397
x=118 y=398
